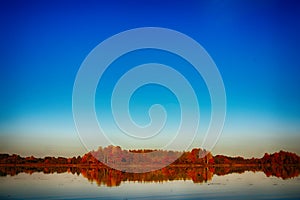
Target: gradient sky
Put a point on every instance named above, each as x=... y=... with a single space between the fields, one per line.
x=255 y=45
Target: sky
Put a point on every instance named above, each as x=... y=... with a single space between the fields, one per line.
x=254 y=44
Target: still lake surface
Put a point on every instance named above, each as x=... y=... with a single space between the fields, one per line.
x=72 y=185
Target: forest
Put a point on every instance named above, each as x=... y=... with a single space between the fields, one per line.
x=115 y=155
x=197 y=165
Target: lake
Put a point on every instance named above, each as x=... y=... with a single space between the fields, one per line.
x=171 y=183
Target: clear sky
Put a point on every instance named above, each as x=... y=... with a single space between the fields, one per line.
x=255 y=45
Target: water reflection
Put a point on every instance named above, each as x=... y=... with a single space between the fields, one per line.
x=111 y=177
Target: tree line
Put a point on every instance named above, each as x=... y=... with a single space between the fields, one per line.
x=111 y=155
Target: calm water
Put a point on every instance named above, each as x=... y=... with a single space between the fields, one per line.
x=66 y=185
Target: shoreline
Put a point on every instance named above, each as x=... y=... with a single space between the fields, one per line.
x=170 y=166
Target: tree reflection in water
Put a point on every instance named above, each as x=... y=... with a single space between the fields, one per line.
x=111 y=177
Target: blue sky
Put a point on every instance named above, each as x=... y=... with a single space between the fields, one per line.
x=254 y=44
